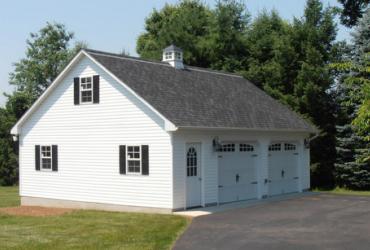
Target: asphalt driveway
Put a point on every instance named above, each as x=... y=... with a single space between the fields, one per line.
x=321 y=221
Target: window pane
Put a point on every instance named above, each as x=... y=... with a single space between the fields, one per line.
x=86 y=86
x=86 y=96
x=46 y=163
x=134 y=166
x=45 y=151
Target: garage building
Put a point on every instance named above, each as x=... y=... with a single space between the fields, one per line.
x=122 y=133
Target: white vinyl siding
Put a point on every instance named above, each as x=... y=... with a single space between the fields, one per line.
x=88 y=137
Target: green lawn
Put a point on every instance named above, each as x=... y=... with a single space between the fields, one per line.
x=87 y=229
x=9 y=196
x=344 y=191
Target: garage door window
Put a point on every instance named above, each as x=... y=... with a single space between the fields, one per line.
x=230 y=147
x=275 y=147
x=191 y=158
x=289 y=147
x=246 y=147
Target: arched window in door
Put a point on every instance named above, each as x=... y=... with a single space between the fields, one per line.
x=191 y=162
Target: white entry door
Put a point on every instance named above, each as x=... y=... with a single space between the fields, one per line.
x=237 y=172
x=283 y=168
x=193 y=175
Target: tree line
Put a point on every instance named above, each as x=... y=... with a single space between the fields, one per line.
x=298 y=62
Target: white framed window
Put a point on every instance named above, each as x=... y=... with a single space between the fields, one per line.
x=230 y=147
x=289 y=147
x=192 y=162
x=86 y=90
x=168 y=55
x=133 y=156
x=243 y=147
x=275 y=147
x=46 y=157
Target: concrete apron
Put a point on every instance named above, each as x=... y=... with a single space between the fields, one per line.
x=196 y=212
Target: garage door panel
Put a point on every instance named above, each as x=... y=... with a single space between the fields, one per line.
x=283 y=169
x=237 y=176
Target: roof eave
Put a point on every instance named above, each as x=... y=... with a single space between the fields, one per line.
x=309 y=131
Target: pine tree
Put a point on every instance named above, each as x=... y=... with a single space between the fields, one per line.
x=352 y=169
x=352 y=11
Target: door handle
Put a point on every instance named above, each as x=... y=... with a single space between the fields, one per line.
x=220 y=186
x=296 y=178
x=200 y=178
x=254 y=182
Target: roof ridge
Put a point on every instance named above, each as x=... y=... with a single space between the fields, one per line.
x=91 y=51
x=195 y=68
x=218 y=72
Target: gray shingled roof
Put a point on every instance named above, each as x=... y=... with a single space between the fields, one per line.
x=194 y=97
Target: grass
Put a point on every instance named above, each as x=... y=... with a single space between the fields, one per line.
x=344 y=191
x=9 y=197
x=87 y=229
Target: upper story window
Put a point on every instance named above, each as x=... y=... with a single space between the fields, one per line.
x=46 y=157
x=168 y=55
x=86 y=90
x=134 y=159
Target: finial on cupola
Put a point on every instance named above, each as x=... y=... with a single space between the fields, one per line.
x=174 y=56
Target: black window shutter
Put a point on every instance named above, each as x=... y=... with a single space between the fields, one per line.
x=37 y=157
x=145 y=160
x=122 y=159
x=96 y=90
x=76 y=90
x=54 y=157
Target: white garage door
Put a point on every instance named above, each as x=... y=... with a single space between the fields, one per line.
x=283 y=168
x=237 y=172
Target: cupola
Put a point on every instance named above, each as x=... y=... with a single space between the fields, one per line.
x=173 y=55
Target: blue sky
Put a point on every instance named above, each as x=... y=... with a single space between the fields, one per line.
x=110 y=25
